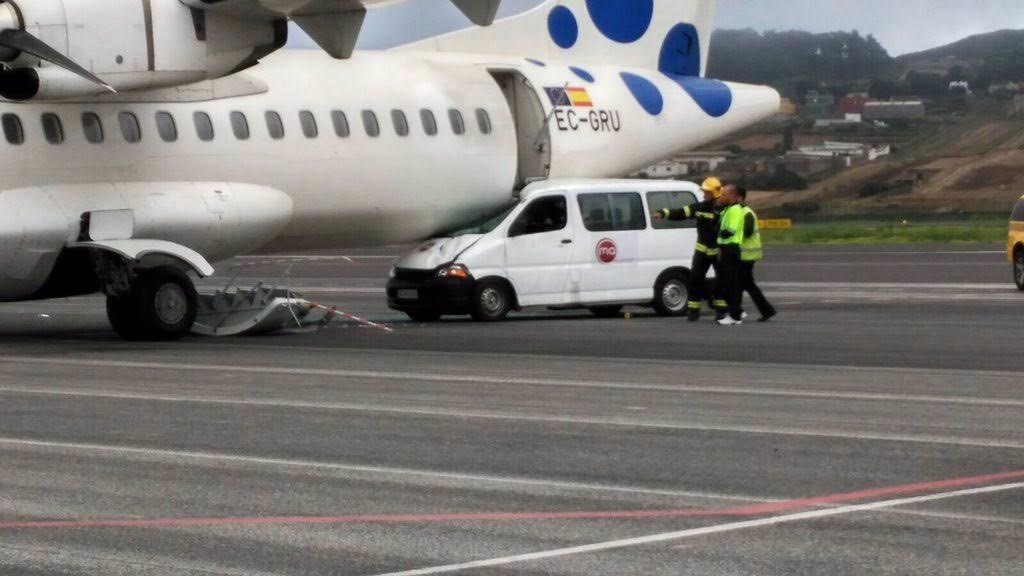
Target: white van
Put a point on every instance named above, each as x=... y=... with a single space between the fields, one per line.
x=567 y=244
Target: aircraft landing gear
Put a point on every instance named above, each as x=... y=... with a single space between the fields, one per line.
x=160 y=304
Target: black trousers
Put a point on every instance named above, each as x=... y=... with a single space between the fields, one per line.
x=699 y=279
x=750 y=287
x=729 y=285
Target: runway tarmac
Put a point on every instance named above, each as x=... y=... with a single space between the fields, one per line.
x=874 y=428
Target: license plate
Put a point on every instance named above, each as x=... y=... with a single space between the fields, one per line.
x=408 y=295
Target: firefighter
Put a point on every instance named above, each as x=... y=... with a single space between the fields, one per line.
x=705 y=257
x=751 y=254
x=730 y=241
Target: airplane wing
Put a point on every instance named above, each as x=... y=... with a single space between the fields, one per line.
x=333 y=24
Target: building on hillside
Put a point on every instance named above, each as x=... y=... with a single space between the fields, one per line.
x=960 y=86
x=819 y=104
x=846 y=153
x=848 y=120
x=852 y=104
x=1004 y=89
x=695 y=163
x=894 y=109
x=1018 y=105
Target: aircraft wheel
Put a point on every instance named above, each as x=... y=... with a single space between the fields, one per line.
x=162 y=305
x=1018 y=268
x=492 y=301
x=671 y=294
x=121 y=312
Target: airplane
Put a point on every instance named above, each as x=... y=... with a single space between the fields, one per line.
x=143 y=140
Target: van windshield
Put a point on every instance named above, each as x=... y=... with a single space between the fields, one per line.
x=487 y=225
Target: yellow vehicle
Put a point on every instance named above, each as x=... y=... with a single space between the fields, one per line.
x=1015 y=243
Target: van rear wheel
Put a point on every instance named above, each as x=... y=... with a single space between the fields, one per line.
x=671 y=295
x=492 y=301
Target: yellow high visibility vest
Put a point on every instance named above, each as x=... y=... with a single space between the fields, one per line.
x=750 y=249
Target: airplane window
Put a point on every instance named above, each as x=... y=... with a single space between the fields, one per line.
x=166 y=126
x=93 y=127
x=483 y=120
x=546 y=214
x=371 y=124
x=401 y=122
x=240 y=125
x=52 y=128
x=204 y=126
x=130 y=128
x=308 y=122
x=458 y=123
x=340 y=121
x=275 y=126
x=13 y=130
x=429 y=122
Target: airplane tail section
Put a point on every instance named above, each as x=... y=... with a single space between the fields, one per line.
x=672 y=36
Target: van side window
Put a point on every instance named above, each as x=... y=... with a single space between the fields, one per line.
x=52 y=128
x=204 y=126
x=658 y=201
x=130 y=128
x=93 y=127
x=166 y=126
x=1018 y=212
x=546 y=214
x=240 y=125
x=613 y=212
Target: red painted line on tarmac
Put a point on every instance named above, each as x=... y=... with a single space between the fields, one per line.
x=750 y=510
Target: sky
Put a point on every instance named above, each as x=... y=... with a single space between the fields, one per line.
x=901 y=26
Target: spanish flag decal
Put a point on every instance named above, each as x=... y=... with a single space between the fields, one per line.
x=570 y=97
x=580 y=97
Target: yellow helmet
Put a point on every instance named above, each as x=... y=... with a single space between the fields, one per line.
x=713 y=186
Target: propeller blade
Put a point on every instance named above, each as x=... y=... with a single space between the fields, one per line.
x=23 y=41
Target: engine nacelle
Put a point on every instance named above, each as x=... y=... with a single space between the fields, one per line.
x=129 y=44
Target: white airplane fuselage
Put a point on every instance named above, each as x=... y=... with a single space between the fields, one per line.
x=227 y=196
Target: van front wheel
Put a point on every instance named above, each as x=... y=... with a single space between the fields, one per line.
x=671 y=295
x=492 y=301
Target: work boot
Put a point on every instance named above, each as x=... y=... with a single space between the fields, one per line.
x=767 y=316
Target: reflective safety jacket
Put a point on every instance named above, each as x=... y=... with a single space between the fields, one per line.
x=750 y=248
x=730 y=231
x=706 y=215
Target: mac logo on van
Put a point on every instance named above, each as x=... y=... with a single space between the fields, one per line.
x=607 y=251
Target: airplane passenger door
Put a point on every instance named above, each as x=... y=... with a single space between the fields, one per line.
x=538 y=251
x=532 y=132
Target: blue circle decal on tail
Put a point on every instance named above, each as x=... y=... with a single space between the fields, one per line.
x=563 y=27
x=645 y=92
x=680 y=53
x=713 y=97
x=582 y=74
x=623 y=21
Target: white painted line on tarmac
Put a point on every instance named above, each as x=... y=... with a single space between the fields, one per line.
x=893 y=285
x=706 y=531
x=498 y=380
x=376 y=470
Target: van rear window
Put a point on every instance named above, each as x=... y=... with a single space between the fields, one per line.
x=658 y=201
x=613 y=212
x=1018 y=211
